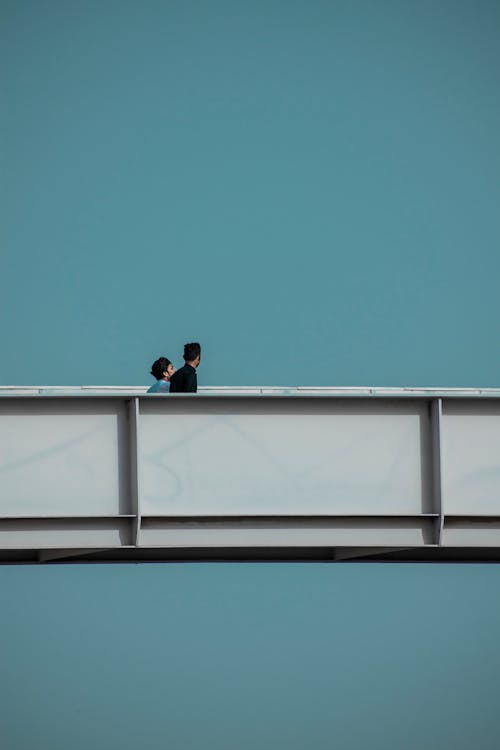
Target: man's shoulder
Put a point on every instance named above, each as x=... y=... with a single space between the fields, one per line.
x=184 y=370
x=179 y=373
x=184 y=380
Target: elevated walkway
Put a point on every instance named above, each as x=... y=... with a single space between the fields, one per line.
x=112 y=474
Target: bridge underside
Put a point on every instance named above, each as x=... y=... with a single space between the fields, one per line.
x=248 y=555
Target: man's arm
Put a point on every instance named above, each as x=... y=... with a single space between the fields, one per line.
x=191 y=382
x=173 y=384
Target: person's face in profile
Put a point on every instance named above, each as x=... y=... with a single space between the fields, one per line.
x=169 y=371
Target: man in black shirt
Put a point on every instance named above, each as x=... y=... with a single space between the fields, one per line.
x=184 y=380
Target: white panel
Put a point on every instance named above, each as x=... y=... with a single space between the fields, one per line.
x=289 y=458
x=62 y=458
x=61 y=536
x=463 y=534
x=471 y=458
x=409 y=534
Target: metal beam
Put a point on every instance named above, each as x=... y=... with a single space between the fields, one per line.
x=249 y=473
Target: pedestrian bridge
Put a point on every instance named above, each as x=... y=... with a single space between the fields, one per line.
x=112 y=474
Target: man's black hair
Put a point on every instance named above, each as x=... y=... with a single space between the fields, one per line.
x=159 y=367
x=191 y=351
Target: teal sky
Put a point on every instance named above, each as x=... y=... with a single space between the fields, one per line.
x=311 y=189
x=250 y=656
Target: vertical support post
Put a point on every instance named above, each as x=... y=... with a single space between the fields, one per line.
x=437 y=481
x=134 y=473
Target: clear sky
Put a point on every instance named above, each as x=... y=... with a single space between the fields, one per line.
x=225 y=656
x=311 y=189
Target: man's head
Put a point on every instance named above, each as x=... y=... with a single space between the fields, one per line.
x=192 y=354
x=162 y=369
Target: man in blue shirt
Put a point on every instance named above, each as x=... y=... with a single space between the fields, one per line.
x=162 y=370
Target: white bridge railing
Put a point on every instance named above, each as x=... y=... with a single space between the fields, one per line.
x=96 y=473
